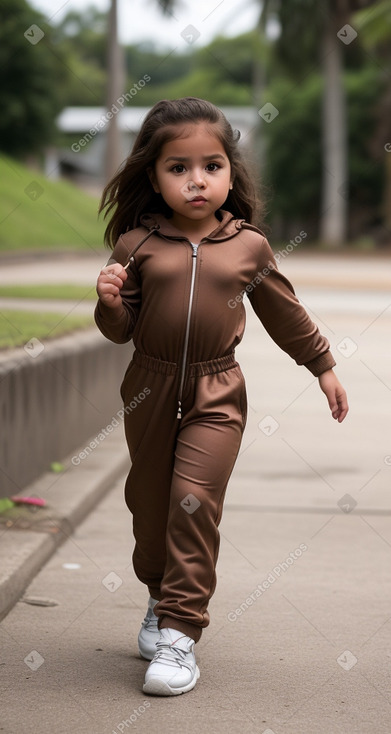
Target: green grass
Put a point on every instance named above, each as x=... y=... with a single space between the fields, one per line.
x=19 y=327
x=61 y=292
x=39 y=214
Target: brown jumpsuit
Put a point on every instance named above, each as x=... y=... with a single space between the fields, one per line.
x=186 y=395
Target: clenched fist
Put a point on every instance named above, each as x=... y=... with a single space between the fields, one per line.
x=110 y=281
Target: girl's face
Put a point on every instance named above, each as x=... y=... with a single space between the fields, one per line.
x=193 y=175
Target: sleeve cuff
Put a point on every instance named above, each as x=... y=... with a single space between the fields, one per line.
x=109 y=315
x=320 y=364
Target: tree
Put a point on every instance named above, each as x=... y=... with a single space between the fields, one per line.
x=31 y=79
x=374 y=27
x=220 y=71
x=305 y=23
x=293 y=163
x=115 y=81
x=80 y=38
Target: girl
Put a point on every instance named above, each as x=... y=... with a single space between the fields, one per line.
x=185 y=252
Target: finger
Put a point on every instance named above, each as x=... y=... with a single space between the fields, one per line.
x=331 y=399
x=112 y=271
x=118 y=273
x=334 y=407
x=109 y=289
x=339 y=407
x=108 y=294
x=343 y=415
x=111 y=278
x=123 y=274
x=343 y=408
x=334 y=410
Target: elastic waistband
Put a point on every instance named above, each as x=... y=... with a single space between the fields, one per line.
x=153 y=364
x=196 y=369
x=220 y=364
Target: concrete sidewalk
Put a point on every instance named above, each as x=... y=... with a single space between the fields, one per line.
x=300 y=622
x=314 y=269
x=30 y=535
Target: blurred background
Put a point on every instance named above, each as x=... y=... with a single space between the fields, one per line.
x=307 y=83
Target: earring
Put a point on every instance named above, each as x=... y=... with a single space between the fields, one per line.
x=231 y=186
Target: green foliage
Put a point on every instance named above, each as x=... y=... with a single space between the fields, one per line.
x=31 y=78
x=86 y=83
x=374 y=26
x=18 y=327
x=294 y=166
x=364 y=90
x=162 y=68
x=202 y=84
x=231 y=59
x=298 y=49
x=294 y=162
x=221 y=72
x=81 y=39
x=36 y=213
x=68 y=67
x=51 y=291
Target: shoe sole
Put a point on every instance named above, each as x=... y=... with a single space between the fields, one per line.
x=156 y=687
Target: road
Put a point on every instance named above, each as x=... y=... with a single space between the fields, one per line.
x=306 y=521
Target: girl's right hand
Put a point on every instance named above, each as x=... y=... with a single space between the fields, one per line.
x=110 y=281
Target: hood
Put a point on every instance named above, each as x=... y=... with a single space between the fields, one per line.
x=228 y=226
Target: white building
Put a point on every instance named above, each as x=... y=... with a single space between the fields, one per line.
x=83 y=159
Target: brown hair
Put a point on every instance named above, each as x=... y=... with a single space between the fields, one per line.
x=130 y=191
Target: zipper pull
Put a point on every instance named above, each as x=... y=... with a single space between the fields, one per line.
x=179 y=413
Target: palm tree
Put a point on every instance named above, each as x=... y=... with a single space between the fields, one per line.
x=334 y=207
x=115 y=83
x=115 y=80
x=308 y=26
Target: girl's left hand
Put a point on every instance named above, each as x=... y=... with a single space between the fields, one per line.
x=335 y=394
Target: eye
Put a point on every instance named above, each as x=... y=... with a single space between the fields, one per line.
x=212 y=167
x=178 y=168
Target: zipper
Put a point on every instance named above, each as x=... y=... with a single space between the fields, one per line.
x=186 y=344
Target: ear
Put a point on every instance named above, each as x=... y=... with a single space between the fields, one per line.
x=231 y=185
x=152 y=178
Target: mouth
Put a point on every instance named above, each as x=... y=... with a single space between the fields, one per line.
x=198 y=198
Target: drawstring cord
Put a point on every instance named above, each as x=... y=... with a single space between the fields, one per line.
x=131 y=254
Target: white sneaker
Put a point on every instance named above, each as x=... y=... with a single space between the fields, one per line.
x=173 y=669
x=149 y=633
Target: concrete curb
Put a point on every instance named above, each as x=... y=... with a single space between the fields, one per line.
x=53 y=396
x=70 y=497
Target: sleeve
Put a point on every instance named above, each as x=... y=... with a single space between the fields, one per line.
x=118 y=324
x=285 y=319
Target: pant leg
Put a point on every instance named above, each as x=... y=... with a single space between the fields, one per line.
x=207 y=447
x=151 y=430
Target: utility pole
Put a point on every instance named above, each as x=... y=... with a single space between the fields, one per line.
x=334 y=216
x=115 y=78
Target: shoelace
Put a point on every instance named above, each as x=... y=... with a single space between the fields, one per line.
x=171 y=654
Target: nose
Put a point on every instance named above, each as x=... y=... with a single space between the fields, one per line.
x=198 y=178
